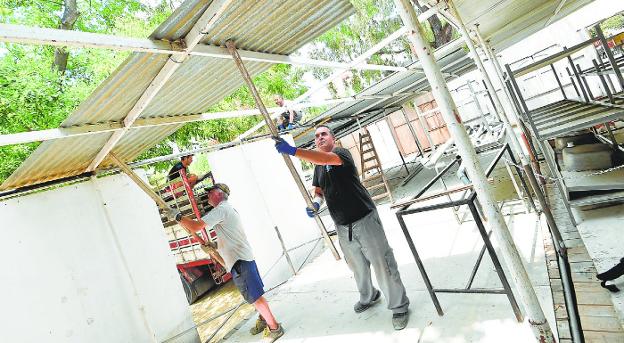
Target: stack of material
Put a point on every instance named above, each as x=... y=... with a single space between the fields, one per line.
x=580 y=159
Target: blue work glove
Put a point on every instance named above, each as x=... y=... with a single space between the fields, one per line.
x=175 y=214
x=312 y=211
x=290 y=126
x=284 y=148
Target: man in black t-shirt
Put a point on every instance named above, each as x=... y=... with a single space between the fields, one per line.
x=360 y=232
x=174 y=172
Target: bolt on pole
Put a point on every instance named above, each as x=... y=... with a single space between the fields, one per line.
x=231 y=46
x=447 y=106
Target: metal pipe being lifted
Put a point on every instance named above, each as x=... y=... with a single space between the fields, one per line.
x=358 y=60
x=289 y=163
x=511 y=256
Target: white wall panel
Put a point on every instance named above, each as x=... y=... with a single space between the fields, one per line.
x=265 y=195
x=88 y=263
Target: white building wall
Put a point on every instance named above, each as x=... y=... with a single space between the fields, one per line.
x=88 y=263
x=265 y=195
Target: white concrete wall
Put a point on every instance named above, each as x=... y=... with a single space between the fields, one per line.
x=265 y=195
x=88 y=263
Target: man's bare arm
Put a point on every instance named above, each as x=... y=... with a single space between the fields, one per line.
x=192 y=226
x=319 y=157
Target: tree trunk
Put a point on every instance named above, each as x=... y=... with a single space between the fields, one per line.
x=442 y=34
x=70 y=15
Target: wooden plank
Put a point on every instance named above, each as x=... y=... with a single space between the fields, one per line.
x=598 y=297
x=603 y=337
x=563 y=329
x=583 y=267
x=147 y=189
x=597 y=311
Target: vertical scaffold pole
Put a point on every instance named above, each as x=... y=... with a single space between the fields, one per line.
x=447 y=106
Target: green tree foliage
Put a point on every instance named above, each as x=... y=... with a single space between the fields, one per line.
x=35 y=96
x=374 y=21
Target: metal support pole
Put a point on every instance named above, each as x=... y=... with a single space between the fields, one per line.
x=578 y=79
x=411 y=128
x=605 y=46
x=497 y=266
x=420 y=265
x=447 y=106
x=552 y=66
x=604 y=82
x=290 y=263
x=269 y=122
x=513 y=139
x=601 y=62
x=540 y=196
x=487 y=91
x=484 y=121
x=584 y=79
x=572 y=81
x=614 y=143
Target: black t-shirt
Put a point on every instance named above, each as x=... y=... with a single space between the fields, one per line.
x=347 y=199
x=174 y=172
x=286 y=117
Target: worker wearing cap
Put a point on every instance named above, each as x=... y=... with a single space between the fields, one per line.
x=360 y=232
x=236 y=252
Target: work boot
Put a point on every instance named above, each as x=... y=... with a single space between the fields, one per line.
x=259 y=327
x=359 y=307
x=399 y=320
x=271 y=336
x=613 y=273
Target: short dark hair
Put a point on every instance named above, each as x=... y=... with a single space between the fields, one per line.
x=331 y=132
x=185 y=156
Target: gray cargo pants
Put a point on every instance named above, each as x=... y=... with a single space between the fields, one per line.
x=370 y=246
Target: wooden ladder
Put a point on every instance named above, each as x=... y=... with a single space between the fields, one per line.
x=371 y=165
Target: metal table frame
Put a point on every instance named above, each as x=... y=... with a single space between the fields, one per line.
x=471 y=202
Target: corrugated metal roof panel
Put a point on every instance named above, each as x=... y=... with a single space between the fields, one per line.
x=506 y=22
x=272 y=26
x=456 y=62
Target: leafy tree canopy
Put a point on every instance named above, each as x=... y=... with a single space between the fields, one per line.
x=34 y=95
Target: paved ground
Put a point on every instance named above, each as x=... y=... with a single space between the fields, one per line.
x=317 y=304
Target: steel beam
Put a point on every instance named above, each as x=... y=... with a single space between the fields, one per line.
x=207 y=20
x=21 y=34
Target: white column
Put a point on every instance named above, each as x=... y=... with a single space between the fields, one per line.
x=476 y=173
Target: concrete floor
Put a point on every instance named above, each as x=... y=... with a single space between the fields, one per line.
x=317 y=304
x=602 y=232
